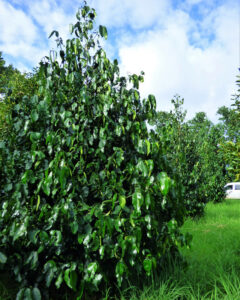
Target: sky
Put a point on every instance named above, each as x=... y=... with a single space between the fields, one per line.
x=189 y=48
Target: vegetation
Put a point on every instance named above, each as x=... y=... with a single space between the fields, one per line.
x=213 y=260
x=86 y=197
x=13 y=86
x=231 y=146
x=92 y=202
x=192 y=147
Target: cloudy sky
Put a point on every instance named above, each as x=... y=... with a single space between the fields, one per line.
x=185 y=47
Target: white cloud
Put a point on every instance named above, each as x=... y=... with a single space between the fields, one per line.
x=19 y=35
x=205 y=77
x=134 y=13
x=15 y=25
x=50 y=16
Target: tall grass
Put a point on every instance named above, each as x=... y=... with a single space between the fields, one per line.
x=213 y=261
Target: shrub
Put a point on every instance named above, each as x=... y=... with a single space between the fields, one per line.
x=86 y=202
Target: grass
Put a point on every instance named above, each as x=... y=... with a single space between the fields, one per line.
x=213 y=261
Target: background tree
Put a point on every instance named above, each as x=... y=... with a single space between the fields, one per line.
x=13 y=85
x=192 y=147
x=230 y=147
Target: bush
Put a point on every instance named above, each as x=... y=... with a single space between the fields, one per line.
x=85 y=200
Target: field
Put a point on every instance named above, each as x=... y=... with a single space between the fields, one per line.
x=213 y=261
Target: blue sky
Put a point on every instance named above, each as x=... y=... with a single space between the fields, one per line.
x=185 y=47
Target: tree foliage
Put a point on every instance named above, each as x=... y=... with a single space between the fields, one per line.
x=13 y=86
x=87 y=200
x=192 y=147
x=231 y=146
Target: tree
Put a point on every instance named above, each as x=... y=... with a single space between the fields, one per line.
x=231 y=146
x=192 y=150
x=86 y=201
x=13 y=85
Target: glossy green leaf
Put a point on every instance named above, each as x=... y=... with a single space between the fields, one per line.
x=147 y=265
x=137 y=200
x=103 y=31
x=3 y=258
x=92 y=268
x=142 y=167
x=164 y=182
x=59 y=280
x=120 y=268
x=36 y=294
x=122 y=201
x=70 y=278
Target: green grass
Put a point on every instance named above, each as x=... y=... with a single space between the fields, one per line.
x=213 y=261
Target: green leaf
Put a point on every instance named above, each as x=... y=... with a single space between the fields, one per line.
x=70 y=278
x=2 y=145
x=20 y=294
x=120 y=268
x=32 y=260
x=137 y=200
x=122 y=201
x=81 y=238
x=36 y=294
x=38 y=202
x=148 y=146
x=103 y=31
x=49 y=268
x=164 y=182
x=27 y=294
x=32 y=234
x=35 y=136
x=141 y=166
x=118 y=130
x=20 y=231
x=3 y=258
x=46 y=188
x=74 y=227
x=8 y=187
x=59 y=280
x=148 y=200
x=34 y=115
x=54 y=32
x=114 y=200
x=92 y=268
x=71 y=28
x=147 y=265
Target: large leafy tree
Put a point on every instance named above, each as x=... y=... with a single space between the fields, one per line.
x=86 y=201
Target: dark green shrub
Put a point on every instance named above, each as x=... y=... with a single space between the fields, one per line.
x=85 y=200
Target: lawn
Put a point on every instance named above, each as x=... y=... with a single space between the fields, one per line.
x=213 y=261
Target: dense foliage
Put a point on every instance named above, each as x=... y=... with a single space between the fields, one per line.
x=192 y=147
x=86 y=197
x=13 y=86
x=231 y=146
